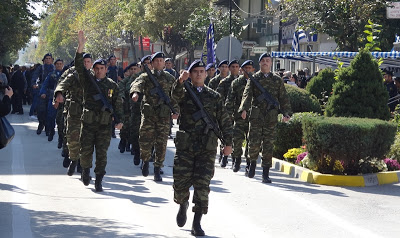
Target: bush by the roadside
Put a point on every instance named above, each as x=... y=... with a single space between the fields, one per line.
x=322 y=83
x=301 y=100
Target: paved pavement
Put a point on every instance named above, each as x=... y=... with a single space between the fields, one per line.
x=38 y=199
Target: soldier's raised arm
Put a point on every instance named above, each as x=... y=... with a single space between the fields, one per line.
x=79 y=58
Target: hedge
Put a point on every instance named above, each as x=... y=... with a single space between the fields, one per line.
x=301 y=100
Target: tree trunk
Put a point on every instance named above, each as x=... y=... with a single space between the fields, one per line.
x=141 y=46
x=132 y=42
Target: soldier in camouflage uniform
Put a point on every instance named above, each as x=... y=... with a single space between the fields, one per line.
x=223 y=73
x=240 y=126
x=131 y=72
x=70 y=87
x=223 y=89
x=263 y=121
x=96 y=123
x=210 y=68
x=154 y=128
x=195 y=150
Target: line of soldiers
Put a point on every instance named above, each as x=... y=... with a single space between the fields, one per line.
x=231 y=108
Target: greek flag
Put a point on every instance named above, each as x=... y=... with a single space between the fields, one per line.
x=302 y=34
x=208 y=55
x=396 y=40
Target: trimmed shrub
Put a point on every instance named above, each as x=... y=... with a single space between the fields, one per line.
x=321 y=83
x=394 y=152
x=301 y=100
x=289 y=134
x=359 y=90
x=347 y=139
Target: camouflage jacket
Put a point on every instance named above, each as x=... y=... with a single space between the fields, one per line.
x=234 y=97
x=213 y=104
x=273 y=85
x=225 y=85
x=92 y=108
x=70 y=87
x=151 y=103
x=214 y=82
x=124 y=88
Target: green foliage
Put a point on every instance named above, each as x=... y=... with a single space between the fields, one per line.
x=289 y=134
x=321 y=85
x=372 y=165
x=394 y=152
x=371 y=31
x=359 y=90
x=301 y=100
x=347 y=139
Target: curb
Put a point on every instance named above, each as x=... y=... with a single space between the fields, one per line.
x=310 y=176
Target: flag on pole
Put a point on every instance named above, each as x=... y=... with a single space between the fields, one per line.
x=208 y=55
x=295 y=42
x=396 y=40
x=301 y=34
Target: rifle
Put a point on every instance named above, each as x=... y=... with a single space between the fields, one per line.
x=203 y=114
x=265 y=95
x=100 y=96
x=158 y=90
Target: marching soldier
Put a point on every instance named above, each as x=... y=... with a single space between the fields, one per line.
x=223 y=89
x=210 y=69
x=263 y=115
x=240 y=126
x=73 y=107
x=223 y=73
x=98 y=93
x=156 y=113
x=195 y=150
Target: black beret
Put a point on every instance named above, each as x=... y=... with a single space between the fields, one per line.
x=247 y=62
x=233 y=62
x=266 y=54
x=157 y=55
x=87 y=56
x=195 y=64
x=131 y=65
x=100 y=62
x=223 y=62
x=168 y=59
x=388 y=72
x=48 y=54
x=146 y=57
x=210 y=65
x=111 y=56
x=58 y=60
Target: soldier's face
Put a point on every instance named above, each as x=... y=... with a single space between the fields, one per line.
x=134 y=70
x=234 y=68
x=113 y=61
x=100 y=71
x=266 y=64
x=87 y=62
x=59 y=65
x=168 y=65
x=248 y=68
x=48 y=60
x=158 y=63
x=224 y=69
x=211 y=72
x=198 y=75
x=388 y=78
x=148 y=63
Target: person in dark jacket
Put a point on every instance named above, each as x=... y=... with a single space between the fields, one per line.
x=18 y=83
x=5 y=103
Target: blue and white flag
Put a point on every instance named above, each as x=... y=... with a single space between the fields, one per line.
x=396 y=40
x=208 y=55
x=301 y=34
x=295 y=42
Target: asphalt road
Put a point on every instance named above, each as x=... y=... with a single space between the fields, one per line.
x=38 y=199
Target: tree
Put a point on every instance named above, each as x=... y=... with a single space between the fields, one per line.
x=343 y=20
x=359 y=90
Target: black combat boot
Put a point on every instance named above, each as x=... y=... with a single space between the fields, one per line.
x=128 y=147
x=220 y=157
x=60 y=142
x=71 y=168
x=86 y=176
x=181 y=216
x=236 y=166
x=51 y=135
x=246 y=173
x=265 y=175
x=196 y=227
x=224 y=161
x=145 y=168
x=79 y=167
x=252 y=169
x=66 y=162
x=136 y=157
x=122 y=145
x=133 y=151
x=40 y=129
x=97 y=184
x=157 y=175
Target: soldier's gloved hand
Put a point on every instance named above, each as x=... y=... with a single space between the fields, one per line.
x=175 y=116
x=135 y=97
x=119 y=126
x=227 y=150
x=43 y=96
x=244 y=114
x=184 y=76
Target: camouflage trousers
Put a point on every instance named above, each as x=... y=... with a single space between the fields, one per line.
x=240 y=131
x=125 y=130
x=262 y=132
x=95 y=136
x=193 y=168
x=154 y=132
x=73 y=136
x=135 y=120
